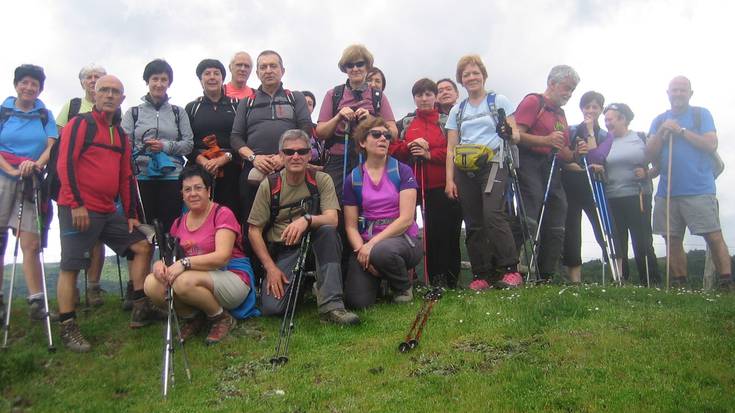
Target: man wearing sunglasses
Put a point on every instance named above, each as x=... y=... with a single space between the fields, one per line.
x=287 y=214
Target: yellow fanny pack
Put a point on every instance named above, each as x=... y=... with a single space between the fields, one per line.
x=472 y=157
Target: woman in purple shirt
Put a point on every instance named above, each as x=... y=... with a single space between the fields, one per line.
x=379 y=206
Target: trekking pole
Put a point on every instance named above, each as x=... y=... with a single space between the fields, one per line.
x=668 y=211
x=608 y=231
x=36 y=197
x=520 y=210
x=6 y=324
x=346 y=151
x=422 y=167
x=119 y=277
x=284 y=335
x=419 y=322
x=643 y=218
x=605 y=241
x=536 y=238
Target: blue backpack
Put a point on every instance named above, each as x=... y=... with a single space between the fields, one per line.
x=490 y=104
x=393 y=174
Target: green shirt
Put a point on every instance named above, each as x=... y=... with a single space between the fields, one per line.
x=63 y=117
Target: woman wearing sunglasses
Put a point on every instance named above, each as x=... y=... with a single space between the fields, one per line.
x=479 y=177
x=162 y=136
x=379 y=206
x=344 y=107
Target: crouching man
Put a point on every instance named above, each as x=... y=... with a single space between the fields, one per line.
x=281 y=208
x=94 y=168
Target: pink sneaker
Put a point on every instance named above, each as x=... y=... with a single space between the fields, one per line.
x=510 y=280
x=478 y=284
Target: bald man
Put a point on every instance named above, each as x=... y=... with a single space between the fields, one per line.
x=241 y=65
x=94 y=168
x=693 y=172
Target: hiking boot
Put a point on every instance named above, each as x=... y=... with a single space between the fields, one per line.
x=37 y=312
x=72 y=337
x=192 y=326
x=725 y=285
x=679 y=282
x=478 y=284
x=127 y=304
x=510 y=280
x=403 y=297
x=145 y=312
x=340 y=316
x=94 y=295
x=221 y=326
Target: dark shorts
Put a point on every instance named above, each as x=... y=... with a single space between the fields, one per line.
x=111 y=229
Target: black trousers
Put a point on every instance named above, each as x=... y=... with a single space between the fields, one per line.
x=227 y=188
x=161 y=200
x=627 y=218
x=443 y=225
x=579 y=198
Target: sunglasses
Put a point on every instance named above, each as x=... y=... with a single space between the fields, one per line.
x=376 y=134
x=291 y=152
x=358 y=65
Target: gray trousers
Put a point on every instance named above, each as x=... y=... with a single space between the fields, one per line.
x=327 y=248
x=489 y=238
x=392 y=258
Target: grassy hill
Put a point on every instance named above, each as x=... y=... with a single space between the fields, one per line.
x=549 y=348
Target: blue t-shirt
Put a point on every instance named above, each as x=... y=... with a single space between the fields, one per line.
x=692 y=173
x=23 y=133
x=478 y=123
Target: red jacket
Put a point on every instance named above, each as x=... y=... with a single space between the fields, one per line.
x=424 y=125
x=95 y=177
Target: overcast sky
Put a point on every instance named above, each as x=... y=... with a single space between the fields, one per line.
x=627 y=50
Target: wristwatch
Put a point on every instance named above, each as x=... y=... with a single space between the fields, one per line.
x=185 y=263
x=251 y=158
x=228 y=156
x=308 y=218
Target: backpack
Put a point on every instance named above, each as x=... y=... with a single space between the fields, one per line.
x=490 y=99
x=134 y=111
x=394 y=174
x=233 y=102
x=339 y=91
x=404 y=123
x=275 y=182
x=718 y=165
x=250 y=103
x=6 y=113
x=75 y=105
x=51 y=183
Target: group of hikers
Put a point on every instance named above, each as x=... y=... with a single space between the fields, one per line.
x=241 y=175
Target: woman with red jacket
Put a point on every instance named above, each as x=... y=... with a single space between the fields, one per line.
x=422 y=144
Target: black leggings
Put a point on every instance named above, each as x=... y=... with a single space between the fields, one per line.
x=628 y=217
x=579 y=198
x=161 y=200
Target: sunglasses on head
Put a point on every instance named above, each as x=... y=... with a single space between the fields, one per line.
x=377 y=134
x=358 y=65
x=290 y=152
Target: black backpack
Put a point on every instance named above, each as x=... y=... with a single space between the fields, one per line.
x=51 y=183
x=339 y=91
x=75 y=105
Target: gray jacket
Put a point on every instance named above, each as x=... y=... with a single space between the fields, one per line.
x=158 y=121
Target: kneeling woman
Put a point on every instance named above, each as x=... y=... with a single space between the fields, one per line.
x=215 y=275
x=379 y=206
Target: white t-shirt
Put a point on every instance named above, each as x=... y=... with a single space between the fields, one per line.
x=478 y=123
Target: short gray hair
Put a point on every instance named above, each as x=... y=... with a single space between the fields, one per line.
x=560 y=73
x=91 y=68
x=294 y=135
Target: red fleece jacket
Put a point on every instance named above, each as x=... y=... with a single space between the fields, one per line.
x=95 y=177
x=425 y=125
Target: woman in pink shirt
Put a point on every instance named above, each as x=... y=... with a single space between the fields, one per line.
x=214 y=276
x=379 y=205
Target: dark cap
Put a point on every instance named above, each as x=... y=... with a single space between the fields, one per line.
x=621 y=108
x=210 y=63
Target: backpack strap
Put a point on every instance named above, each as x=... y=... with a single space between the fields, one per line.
x=460 y=114
x=337 y=94
x=404 y=124
x=394 y=172
x=377 y=96
x=540 y=110
x=177 y=118
x=194 y=108
x=697 y=115
x=394 y=175
x=75 y=105
x=490 y=99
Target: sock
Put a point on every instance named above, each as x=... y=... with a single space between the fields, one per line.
x=138 y=294
x=36 y=296
x=67 y=316
x=725 y=277
x=216 y=315
x=93 y=286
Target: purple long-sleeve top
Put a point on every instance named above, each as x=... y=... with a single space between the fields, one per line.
x=599 y=154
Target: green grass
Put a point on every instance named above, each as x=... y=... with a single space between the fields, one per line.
x=547 y=348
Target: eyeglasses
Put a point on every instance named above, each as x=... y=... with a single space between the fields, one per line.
x=358 y=65
x=290 y=152
x=195 y=188
x=105 y=90
x=376 y=134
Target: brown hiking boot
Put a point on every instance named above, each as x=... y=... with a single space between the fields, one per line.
x=221 y=326
x=144 y=313
x=72 y=337
x=37 y=311
x=192 y=326
x=94 y=295
x=127 y=304
x=340 y=316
